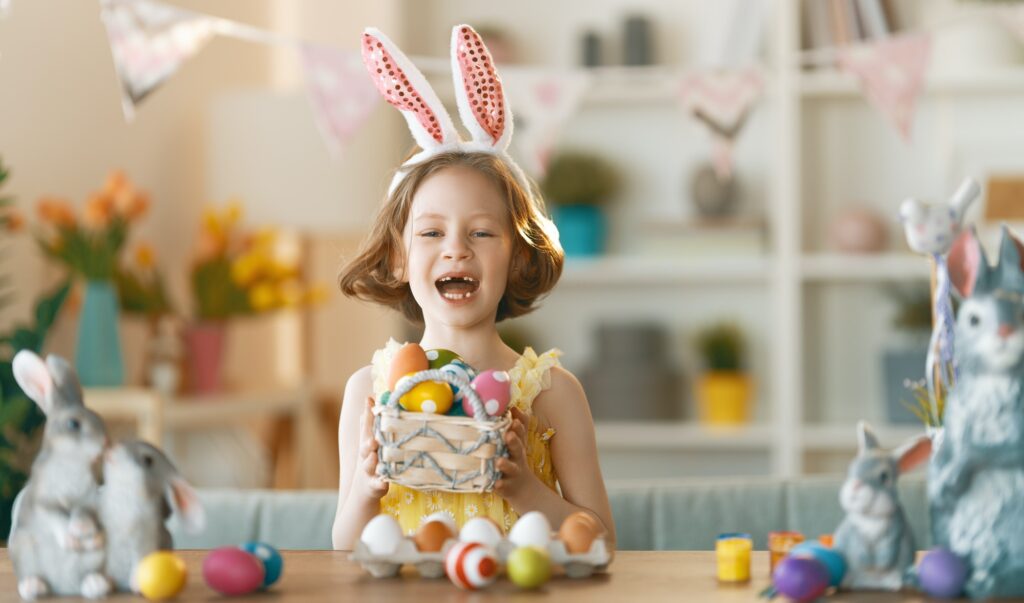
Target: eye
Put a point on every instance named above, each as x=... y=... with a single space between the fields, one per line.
x=74 y=425
x=884 y=477
x=431 y=234
x=974 y=320
x=482 y=234
x=147 y=461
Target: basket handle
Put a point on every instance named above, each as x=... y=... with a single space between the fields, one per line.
x=405 y=385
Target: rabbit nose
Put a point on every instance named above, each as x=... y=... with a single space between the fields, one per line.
x=1005 y=330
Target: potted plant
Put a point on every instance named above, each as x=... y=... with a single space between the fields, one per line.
x=725 y=388
x=903 y=360
x=577 y=184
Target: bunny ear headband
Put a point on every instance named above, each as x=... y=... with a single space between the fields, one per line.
x=478 y=92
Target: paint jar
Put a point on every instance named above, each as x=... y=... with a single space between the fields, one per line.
x=732 y=554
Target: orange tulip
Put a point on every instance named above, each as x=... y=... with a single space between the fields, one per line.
x=116 y=182
x=135 y=205
x=55 y=211
x=14 y=221
x=98 y=210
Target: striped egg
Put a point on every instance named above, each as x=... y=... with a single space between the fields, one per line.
x=458 y=367
x=471 y=565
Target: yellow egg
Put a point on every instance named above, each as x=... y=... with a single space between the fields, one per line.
x=429 y=396
x=160 y=575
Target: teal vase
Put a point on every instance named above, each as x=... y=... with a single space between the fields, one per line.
x=581 y=228
x=98 y=350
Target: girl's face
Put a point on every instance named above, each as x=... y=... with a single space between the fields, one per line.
x=458 y=247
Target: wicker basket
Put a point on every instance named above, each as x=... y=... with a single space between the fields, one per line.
x=427 y=451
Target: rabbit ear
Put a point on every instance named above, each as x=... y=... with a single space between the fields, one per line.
x=967 y=262
x=67 y=388
x=963 y=197
x=478 y=91
x=913 y=453
x=185 y=502
x=402 y=85
x=34 y=378
x=911 y=211
x=1011 y=257
x=866 y=439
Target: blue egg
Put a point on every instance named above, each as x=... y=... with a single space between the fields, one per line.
x=459 y=368
x=273 y=564
x=832 y=559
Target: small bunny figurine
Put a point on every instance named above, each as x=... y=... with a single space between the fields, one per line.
x=56 y=544
x=931 y=229
x=141 y=489
x=976 y=477
x=874 y=536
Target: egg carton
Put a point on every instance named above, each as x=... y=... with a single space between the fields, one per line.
x=431 y=564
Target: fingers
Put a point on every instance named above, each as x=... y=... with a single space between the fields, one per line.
x=516 y=449
x=507 y=467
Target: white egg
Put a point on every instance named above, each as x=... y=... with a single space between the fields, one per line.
x=382 y=535
x=482 y=530
x=532 y=529
x=444 y=518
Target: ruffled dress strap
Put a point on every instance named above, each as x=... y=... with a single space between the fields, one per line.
x=531 y=375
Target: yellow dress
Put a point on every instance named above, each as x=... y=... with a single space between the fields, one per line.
x=529 y=377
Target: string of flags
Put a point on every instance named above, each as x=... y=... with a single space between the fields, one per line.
x=150 y=40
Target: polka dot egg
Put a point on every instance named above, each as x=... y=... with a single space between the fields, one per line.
x=440 y=357
x=428 y=397
x=495 y=391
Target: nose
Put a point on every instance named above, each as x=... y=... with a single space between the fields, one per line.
x=1005 y=330
x=456 y=249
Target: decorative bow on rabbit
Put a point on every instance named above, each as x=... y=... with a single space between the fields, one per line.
x=874 y=536
x=976 y=477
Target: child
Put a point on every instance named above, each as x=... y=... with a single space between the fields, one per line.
x=461 y=243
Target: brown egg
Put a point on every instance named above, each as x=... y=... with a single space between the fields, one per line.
x=578 y=532
x=431 y=536
x=409 y=359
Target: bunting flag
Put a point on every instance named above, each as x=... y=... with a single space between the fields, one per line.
x=891 y=73
x=149 y=42
x=542 y=102
x=721 y=101
x=340 y=93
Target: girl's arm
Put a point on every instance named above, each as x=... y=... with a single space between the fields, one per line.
x=359 y=489
x=574 y=454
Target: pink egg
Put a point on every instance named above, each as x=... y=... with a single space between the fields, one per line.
x=495 y=391
x=232 y=571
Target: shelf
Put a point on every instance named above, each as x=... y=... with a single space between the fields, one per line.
x=681 y=436
x=826 y=84
x=644 y=270
x=843 y=438
x=868 y=267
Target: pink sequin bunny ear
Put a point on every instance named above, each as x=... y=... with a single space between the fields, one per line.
x=402 y=85
x=478 y=91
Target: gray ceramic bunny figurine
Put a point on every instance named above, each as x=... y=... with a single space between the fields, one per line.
x=976 y=481
x=141 y=489
x=874 y=536
x=56 y=543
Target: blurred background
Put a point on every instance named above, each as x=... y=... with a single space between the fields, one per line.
x=184 y=180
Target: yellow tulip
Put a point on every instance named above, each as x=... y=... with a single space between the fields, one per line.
x=263 y=297
x=245 y=269
x=145 y=256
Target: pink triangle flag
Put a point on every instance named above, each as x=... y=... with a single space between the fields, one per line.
x=149 y=42
x=341 y=93
x=542 y=102
x=722 y=101
x=891 y=73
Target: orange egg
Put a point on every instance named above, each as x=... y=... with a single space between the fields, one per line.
x=578 y=532
x=431 y=536
x=409 y=359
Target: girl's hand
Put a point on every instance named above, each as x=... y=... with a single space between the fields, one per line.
x=366 y=481
x=516 y=476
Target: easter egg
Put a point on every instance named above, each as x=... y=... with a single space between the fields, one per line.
x=482 y=530
x=801 y=579
x=471 y=565
x=272 y=561
x=578 y=532
x=232 y=571
x=462 y=370
x=832 y=559
x=382 y=535
x=444 y=517
x=160 y=575
x=495 y=391
x=409 y=359
x=942 y=573
x=440 y=357
x=532 y=529
x=529 y=567
x=431 y=536
x=429 y=396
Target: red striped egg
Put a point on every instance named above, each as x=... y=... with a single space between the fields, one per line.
x=471 y=565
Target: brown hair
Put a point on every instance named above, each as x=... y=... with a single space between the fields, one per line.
x=536 y=259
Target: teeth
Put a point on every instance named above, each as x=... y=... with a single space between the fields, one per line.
x=446 y=279
x=457 y=296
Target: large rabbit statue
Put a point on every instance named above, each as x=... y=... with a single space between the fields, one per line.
x=976 y=478
x=875 y=537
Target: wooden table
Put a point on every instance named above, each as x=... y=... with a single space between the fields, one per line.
x=643 y=577
x=152 y=413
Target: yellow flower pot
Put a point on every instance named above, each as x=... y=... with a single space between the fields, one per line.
x=724 y=397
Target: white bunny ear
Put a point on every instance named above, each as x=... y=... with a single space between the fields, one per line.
x=402 y=85
x=478 y=91
x=185 y=502
x=34 y=378
x=866 y=438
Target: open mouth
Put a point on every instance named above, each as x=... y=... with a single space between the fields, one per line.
x=457 y=287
